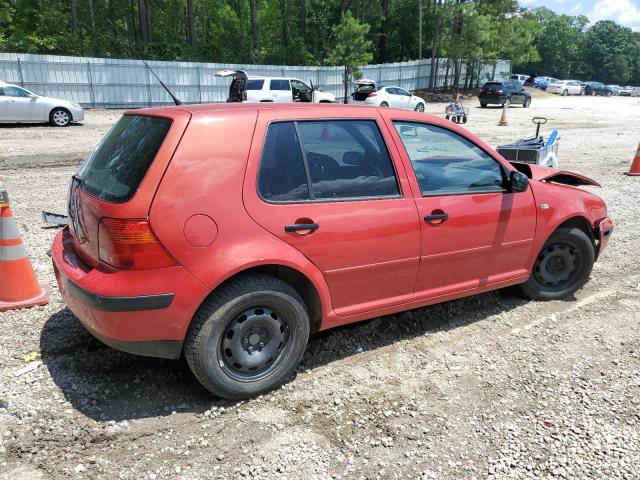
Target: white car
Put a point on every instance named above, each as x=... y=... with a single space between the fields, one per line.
x=395 y=97
x=19 y=105
x=520 y=78
x=565 y=87
x=244 y=88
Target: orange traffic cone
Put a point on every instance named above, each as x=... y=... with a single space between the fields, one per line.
x=503 y=118
x=635 y=165
x=19 y=287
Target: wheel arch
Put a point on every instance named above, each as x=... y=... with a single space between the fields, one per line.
x=300 y=282
x=580 y=222
x=60 y=107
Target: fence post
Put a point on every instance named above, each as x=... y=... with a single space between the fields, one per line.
x=92 y=93
x=198 y=68
x=20 y=76
x=148 y=87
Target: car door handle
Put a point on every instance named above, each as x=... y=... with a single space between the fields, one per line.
x=297 y=227
x=436 y=216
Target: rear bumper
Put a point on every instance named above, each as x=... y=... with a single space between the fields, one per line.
x=145 y=312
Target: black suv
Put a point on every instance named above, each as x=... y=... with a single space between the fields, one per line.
x=504 y=93
x=597 y=88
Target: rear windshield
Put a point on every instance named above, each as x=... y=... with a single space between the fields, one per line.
x=493 y=85
x=116 y=167
x=253 y=84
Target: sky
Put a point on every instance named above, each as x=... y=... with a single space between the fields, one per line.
x=624 y=12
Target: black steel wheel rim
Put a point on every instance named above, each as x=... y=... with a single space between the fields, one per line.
x=253 y=344
x=557 y=265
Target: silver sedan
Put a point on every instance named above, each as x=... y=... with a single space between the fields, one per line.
x=19 y=105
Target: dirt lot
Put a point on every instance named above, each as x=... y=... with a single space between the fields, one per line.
x=485 y=387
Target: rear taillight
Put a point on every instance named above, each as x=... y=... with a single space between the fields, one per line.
x=372 y=94
x=500 y=93
x=131 y=244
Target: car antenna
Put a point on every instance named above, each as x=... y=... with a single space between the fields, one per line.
x=175 y=100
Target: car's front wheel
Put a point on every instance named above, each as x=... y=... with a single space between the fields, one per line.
x=384 y=105
x=562 y=266
x=420 y=107
x=248 y=337
x=60 y=117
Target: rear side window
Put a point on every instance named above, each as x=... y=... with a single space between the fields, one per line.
x=116 y=167
x=280 y=85
x=253 y=84
x=337 y=159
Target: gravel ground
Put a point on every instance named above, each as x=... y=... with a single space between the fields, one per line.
x=485 y=387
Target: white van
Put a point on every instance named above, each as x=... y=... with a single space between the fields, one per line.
x=519 y=77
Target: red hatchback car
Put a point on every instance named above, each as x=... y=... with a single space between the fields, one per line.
x=230 y=233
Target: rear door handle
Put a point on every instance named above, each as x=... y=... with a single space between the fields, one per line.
x=436 y=216
x=297 y=227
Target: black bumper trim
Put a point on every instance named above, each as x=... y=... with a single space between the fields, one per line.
x=120 y=304
x=170 y=349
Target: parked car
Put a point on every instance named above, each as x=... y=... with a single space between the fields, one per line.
x=543 y=82
x=395 y=97
x=615 y=89
x=363 y=88
x=520 y=78
x=565 y=87
x=244 y=88
x=504 y=93
x=626 y=91
x=19 y=105
x=182 y=242
x=597 y=88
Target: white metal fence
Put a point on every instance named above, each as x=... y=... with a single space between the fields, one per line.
x=114 y=83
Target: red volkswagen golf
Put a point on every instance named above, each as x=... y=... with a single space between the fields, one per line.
x=229 y=233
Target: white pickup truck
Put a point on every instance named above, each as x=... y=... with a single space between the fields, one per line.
x=244 y=88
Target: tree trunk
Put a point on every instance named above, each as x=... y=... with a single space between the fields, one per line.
x=255 y=29
x=446 y=75
x=346 y=85
x=74 y=16
x=190 y=36
x=434 y=47
x=382 y=43
x=92 y=19
x=302 y=17
x=144 y=21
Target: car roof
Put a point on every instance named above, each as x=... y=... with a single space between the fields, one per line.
x=271 y=78
x=248 y=106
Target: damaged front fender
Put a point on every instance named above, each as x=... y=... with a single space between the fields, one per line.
x=555 y=175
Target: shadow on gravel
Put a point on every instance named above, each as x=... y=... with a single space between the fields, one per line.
x=106 y=384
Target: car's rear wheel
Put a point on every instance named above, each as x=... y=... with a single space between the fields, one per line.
x=609 y=94
x=384 y=105
x=446 y=117
x=248 y=337
x=507 y=103
x=562 y=266
x=420 y=107
x=60 y=117
x=527 y=102
x=565 y=93
x=483 y=105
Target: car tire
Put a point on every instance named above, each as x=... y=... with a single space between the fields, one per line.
x=507 y=103
x=609 y=94
x=483 y=105
x=60 y=117
x=565 y=93
x=562 y=267
x=258 y=320
x=527 y=102
x=464 y=119
x=582 y=93
x=384 y=105
x=593 y=93
x=446 y=117
x=420 y=107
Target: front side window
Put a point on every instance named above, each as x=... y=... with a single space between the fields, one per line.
x=325 y=160
x=15 y=92
x=301 y=86
x=446 y=163
x=280 y=85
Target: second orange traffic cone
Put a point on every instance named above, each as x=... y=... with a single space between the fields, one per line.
x=503 y=118
x=19 y=287
x=635 y=165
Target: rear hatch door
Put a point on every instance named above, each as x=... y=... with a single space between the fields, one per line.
x=120 y=177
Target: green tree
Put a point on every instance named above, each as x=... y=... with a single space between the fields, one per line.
x=608 y=48
x=351 y=48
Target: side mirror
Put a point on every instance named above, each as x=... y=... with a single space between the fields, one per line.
x=518 y=182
